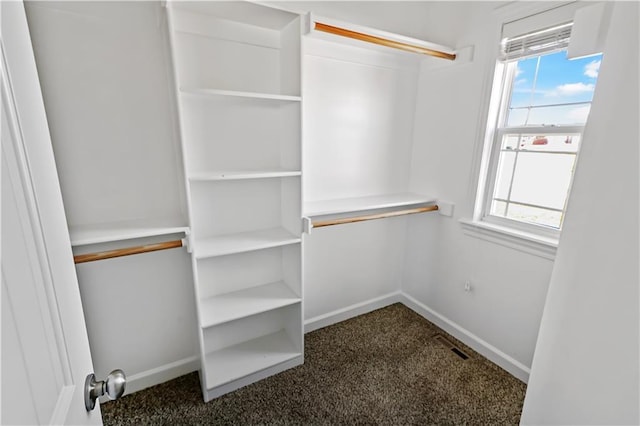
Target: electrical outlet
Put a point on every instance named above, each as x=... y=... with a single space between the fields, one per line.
x=467 y=286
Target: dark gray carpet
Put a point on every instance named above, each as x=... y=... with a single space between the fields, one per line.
x=380 y=368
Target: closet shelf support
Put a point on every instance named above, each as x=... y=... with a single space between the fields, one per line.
x=353 y=219
x=369 y=38
x=90 y=257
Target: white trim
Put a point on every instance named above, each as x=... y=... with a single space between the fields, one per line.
x=526 y=242
x=492 y=144
x=352 y=311
x=482 y=176
x=493 y=354
x=60 y=411
x=517 y=16
x=487 y=125
x=139 y=381
x=170 y=371
x=493 y=152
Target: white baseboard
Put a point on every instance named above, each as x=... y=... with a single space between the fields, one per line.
x=170 y=371
x=164 y=373
x=351 y=311
x=487 y=350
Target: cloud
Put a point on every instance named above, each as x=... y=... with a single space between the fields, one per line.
x=571 y=89
x=519 y=71
x=520 y=81
x=592 y=69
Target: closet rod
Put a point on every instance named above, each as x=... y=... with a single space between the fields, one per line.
x=383 y=41
x=329 y=222
x=90 y=257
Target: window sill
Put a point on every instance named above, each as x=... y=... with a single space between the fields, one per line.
x=526 y=242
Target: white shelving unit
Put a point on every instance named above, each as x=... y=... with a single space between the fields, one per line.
x=237 y=68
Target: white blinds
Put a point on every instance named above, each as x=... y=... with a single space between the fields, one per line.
x=536 y=43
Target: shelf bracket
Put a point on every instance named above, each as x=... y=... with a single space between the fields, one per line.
x=186 y=241
x=307 y=225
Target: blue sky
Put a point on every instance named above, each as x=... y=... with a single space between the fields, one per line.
x=559 y=81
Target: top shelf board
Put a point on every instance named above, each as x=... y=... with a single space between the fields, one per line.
x=233 y=93
x=239 y=11
x=359 y=204
x=120 y=231
x=358 y=35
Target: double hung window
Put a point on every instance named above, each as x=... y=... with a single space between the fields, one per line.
x=542 y=103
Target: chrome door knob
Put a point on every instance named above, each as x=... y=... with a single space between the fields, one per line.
x=113 y=386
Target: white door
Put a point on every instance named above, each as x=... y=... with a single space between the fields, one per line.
x=45 y=349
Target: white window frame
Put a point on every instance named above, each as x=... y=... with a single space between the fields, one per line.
x=511 y=18
x=503 y=82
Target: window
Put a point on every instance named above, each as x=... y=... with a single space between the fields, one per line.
x=541 y=101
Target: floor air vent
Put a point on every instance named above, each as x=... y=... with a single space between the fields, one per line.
x=449 y=345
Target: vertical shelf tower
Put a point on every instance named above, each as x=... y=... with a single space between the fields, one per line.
x=237 y=72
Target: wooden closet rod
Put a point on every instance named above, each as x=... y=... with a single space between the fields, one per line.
x=383 y=41
x=90 y=257
x=329 y=222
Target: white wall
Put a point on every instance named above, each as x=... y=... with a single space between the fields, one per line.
x=104 y=70
x=357 y=124
x=140 y=316
x=585 y=368
x=501 y=314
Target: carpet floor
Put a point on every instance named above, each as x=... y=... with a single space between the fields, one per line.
x=383 y=368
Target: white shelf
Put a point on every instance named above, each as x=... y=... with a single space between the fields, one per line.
x=241 y=133
x=249 y=357
x=239 y=175
x=233 y=93
x=271 y=17
x=119 y=231
x=349 y=205
x=243 y=242
x=238 y=304
x=391 y=38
